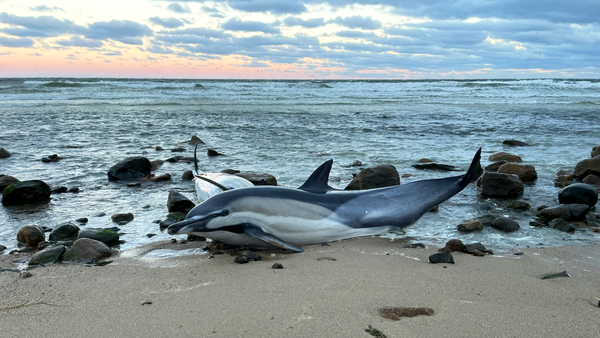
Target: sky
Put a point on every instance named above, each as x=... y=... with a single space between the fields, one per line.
x=301 y=39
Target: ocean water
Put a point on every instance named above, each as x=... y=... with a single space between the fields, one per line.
x=288 y=128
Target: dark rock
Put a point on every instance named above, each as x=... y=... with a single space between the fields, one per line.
x=277 y=266
x=515 y=143
x=174 y=159
x=122 y=218
x=411 y=245
x=195 y=238
x=434 y=166
x=31 y=235
x=150 y=235
x=2 y=248
x=470 y=226
x=85 y=249
x=503 y=156
x=50 y=255
x=562 y=225
x=426 y=160
x=187 y=159
x=578 y=211
x=550 y=213
x=73 y=190
x=64 y=232
x=166 y=223
x=6 y=180
x=478 y=253
x=155 y=164
x=195 y=140
x=356 y=163
x=82 y=220
x=505 y=224
x=130 y=169
x=178 y=202
x=230 y=171
x=580 y=193
x=178 y=216
x=455 y=245
x=177 y=150
x=519 y=205
x=26 y=192
x=562 y=181
x=254 y=256
x=4 y=153
x=159 y=178
x=159 y=148
x=486 y=220
x=525 y=172
x=595 y=151
x=441 y=257
x=59 y=190
x=471 y=248
x=241 y=260
x=134 y=184
x=375 y=177
x=106 y=236
x=536 y=224
x=51 y=158
x=213 y=153
x=499 y=185
x=592 y=180
x=590 y=166
x=259 y=178
x=494 y=166
x=187 y=175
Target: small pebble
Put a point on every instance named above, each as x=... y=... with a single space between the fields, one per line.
x=241 y=260
x=25 y=274
x=277 y=266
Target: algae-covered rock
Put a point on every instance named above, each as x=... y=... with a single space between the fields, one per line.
x=50 y=255
x=26 y=192
x=106 y=236
x=31 y=235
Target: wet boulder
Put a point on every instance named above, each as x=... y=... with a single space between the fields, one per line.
x=595 y=151
x=187 y=175
x=49 y=255
x=259 y=178
x=590 y=166
x=177 y=202
x=375 y=177
x=86 y=249
x=525 y=172
x=505 y=224
x=130 y=169
x=504 y=156
x=106 y=236
x=568 y=212
x=589 y=179
x=499 y=185
x=580 y=193
x=122 y=218
x=494 y=166
x=434 y=166
x=6 y=180
x=4 y=153
x=64 y=232
x=470 y=226
x=31 y=235
x=213 y=153
x=195 y=140
x=515 y=143
x=26 y=192
x=562 y=225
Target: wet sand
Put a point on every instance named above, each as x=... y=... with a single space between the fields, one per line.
x=327 y=291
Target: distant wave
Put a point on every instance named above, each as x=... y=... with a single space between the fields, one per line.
x=60 y=84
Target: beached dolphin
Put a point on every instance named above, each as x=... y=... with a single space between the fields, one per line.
x=268 y=217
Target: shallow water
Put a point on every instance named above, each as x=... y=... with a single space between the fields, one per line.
x=288 y=128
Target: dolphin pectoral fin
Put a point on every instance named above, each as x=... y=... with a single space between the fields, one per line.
x=257 y=233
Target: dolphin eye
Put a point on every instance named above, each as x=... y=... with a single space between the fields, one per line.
x=225 y=212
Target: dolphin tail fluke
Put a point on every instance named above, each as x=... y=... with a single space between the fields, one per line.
x=474 y=171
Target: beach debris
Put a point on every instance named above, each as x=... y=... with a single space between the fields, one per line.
x=375 y=177
x=25 y=274
x=277 y=266
x=326 y=259
x=395 y=313
x=374 y=332
x=33 y=302
x=555 y=275
x=147 y=303
x=497 y=185
x=441 y=257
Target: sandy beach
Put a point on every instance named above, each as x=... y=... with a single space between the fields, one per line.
x=327 y=291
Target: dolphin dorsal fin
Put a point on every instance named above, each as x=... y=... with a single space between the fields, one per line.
x=317 y=182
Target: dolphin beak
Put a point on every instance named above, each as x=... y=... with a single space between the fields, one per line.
x=192 y=224
x=173 y=229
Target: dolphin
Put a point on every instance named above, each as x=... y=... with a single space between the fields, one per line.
x=277 y=217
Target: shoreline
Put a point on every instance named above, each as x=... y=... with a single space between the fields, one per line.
x=333 y=290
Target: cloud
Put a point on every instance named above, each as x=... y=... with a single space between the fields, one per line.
x=310 y=23
x=124 y=31
x=167 y=23
x=178 y=8
x=272 y=6
x=44 y=8
x=15 y=42
x=78 y=41
x=357 y=21
x=249 y=26
x=41 y=26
